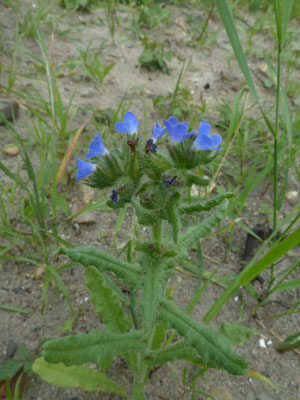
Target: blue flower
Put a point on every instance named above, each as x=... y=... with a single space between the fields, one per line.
x=97 y=148
x=114 y=196
x=205 y=141
x=177 y=132
x=128 y=125
x=157 y=132
x=169 y=181
x=84 y=168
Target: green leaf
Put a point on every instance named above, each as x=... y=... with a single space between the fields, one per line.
x=158 y=336
x=89 y=256
x=290 y=343
x=236 y=333
x=9 y=369
x=229 y=25
x=12 y=308
x=75 y=376
x=67 y=326
x=228 y=22
x=151 y=288
x=205 y=204
x=22 y=353
x=210 y=345
x=286 y=13
x=251 y=271
x=178 y=351
x=94 y=347
x=106 y=302
x=204 y=228
x=293 y=284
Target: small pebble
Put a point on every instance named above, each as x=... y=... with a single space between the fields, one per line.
x=11 y=150
x=220 y=393
x=262 y=343
x=88 y=92
x=291 y=195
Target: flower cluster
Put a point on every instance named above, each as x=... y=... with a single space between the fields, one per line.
x=177 y=133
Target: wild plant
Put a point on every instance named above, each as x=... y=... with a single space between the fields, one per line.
x=143 y=323
x=154 y=56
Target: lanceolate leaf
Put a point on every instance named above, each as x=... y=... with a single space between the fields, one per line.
x=292 y=284
x=210 y=345
x=93 y=347
x=106 y=302
x=178 y=351
x=89 y=256
x=76 y=376
x=196 y=232
x=151 y=289
x=205 y=204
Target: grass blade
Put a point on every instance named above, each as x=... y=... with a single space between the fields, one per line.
x=229 y=25
x=12 y=308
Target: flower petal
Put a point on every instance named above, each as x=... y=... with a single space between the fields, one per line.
x=97 y=148
x=169 y=126
x=121 y=127
x=131 y=121
x=158 y=132
x=215 y=139
x=84 y=168
x=173 y=121
x=204 y=128
x=202 y=142
x=180 y=133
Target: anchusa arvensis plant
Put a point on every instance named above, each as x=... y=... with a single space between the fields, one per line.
x=154 y=176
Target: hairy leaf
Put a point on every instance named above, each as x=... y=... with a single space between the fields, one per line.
x=178 y=351
x=158 y=336
x=145 y=217
x=205 y=204
x=75 y=376
x=196 y=232
x=209 y=344
x=89 y=256
x=106 y=302
x=152 y=168
x=93 y=347
x=236 y=333
x=151 y=288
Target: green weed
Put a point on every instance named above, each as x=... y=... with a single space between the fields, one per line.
x=84 y=5
x=94 y=69
x=154 y=56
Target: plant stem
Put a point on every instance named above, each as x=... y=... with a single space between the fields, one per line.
x=142 y=370
x=157 y=231
x=133 y=309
